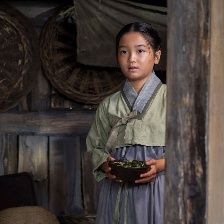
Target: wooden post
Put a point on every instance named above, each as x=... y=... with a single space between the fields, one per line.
x=187 y=82
x=216 y=117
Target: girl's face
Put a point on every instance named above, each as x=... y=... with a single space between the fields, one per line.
x=136 y=57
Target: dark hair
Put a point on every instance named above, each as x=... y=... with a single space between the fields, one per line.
x=147 y=30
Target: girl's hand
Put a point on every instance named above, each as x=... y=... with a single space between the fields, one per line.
x=155 y=166
x=106 y=169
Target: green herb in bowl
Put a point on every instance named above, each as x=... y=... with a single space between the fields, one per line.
x=130 y=163
x=129 y=170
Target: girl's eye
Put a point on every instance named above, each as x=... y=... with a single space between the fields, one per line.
x=123 y=52
x=141 y=51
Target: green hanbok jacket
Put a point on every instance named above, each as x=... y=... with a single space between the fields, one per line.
x=147 y=128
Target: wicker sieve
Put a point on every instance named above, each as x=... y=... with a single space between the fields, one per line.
x=19 y=55
x=82 y=83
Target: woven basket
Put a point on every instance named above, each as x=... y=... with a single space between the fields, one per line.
x=27 y=215
x=85 y=84
x=19 y=55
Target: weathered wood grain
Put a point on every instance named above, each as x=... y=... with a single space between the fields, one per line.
x=24 y=136
x=33 y=158
x=40 y=95
x=187 y=83
x=215 y=164
x=47 y=123
x=91 y=188
x=65 y=175
x=8 y=153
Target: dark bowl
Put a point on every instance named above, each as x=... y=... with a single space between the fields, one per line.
x=127 y=173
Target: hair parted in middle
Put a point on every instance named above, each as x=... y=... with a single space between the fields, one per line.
x=146 y=30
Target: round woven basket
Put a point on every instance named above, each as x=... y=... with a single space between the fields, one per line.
x=85 y=84
x=19 y=57
x=27 y=215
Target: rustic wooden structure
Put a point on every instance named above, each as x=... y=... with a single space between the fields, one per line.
x=195 y=113
x=44 y=134
x=31 y=140
x=215 y=167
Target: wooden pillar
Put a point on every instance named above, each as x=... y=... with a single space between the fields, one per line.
x=187 y=82
x=216 y=117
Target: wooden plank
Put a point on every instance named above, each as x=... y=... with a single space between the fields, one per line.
x=65 y=175
x=2 y=154
x=47 y=123
x=216 y=117
x=91 y=188
x=187 y=83
x=59 y=101
x=40 y=94
x=33 y=158
x=8 y=154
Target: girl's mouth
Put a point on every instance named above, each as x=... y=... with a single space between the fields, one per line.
x=132 y=68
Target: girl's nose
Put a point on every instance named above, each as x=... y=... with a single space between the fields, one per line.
x=131 y=59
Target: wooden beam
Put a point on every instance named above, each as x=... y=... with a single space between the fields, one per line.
x=187 y=83
x=47 y=123
x=216 y=116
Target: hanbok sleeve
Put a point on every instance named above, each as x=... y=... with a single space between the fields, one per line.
x=96 y=140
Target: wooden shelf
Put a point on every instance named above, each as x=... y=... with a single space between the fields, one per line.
x=47 y=123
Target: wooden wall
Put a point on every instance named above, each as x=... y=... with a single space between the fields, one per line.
x=45 y=136
x=215 y=202
x=187 y=84
x=194 y=162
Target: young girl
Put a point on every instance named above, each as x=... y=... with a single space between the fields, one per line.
x=130 y=124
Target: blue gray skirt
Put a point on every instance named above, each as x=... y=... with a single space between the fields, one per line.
x=130 y=203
